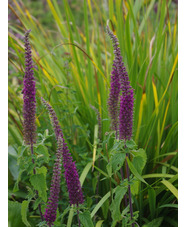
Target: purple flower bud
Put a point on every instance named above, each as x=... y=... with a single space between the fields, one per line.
x=71 y=174
x=29 y=91
x=52 y=204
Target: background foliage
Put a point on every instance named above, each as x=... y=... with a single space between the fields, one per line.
x=73 y=59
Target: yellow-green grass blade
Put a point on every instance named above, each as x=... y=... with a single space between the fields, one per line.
x=170 y=187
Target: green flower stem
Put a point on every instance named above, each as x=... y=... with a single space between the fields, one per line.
x=79 y=224
x=129 y=190
x=34 y=171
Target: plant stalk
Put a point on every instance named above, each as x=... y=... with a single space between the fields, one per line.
x=79 y=224
x=34 y=171
x=129 y=191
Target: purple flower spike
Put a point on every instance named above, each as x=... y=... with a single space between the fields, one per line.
x=72 y=178
x=71 y=174
x=51 y=210
x=120 y=69
x=120 y=82
x=126 y=116
x=54 y=119
x=115 y=85
x=114 y=97
x=29 y=91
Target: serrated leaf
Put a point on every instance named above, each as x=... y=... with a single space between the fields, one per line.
x=131 y=144
x=39 y=183
x=118 y=146
x=42 y=150
x=24 y=208
x=85 y=219
x=42 y=169
x=115 y=206
x=139 y=160
x=117 y=161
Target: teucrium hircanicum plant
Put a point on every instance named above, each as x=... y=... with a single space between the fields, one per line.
x=29 y=99
x=71 y=174
x=120 y=84
x=120 y=106
x=29 y=102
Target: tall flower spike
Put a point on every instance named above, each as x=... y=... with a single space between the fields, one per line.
x=71 y=174
x=52 y=204
x=114 y=85
x=29 y=91
x=118 y=63
x=127 y=94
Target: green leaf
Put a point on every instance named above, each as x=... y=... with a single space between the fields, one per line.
x=152 y=202
x=118 y=146
x=85 y=172
x=139 y=160
x=24 y=208
x=147 y=12
x=43 y=170
x=12 y=162
x=85 y=219
x=131 y=144
x=109 y=169
x=117 y=161
x=14 y=214
x=21 y=150
x=134 y=171
x=158 y=175
x=105 y=197
x=105 y=208
x=135 y=186
x=39 y=183
x=171 y=187
x=169 y=205
x=99 y=223
x=43 y=150
x=115 y=206
x=155 y=223
x=36 y=203
x=16 y=186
